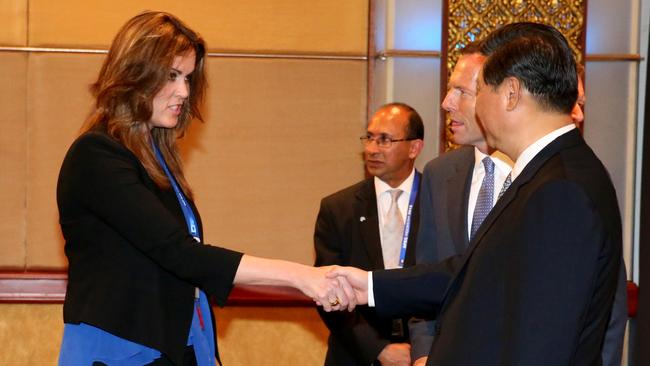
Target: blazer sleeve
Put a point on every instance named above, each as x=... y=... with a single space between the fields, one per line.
x=415 y=291
x=563 y=281
x=350 y=328
x=101 y=178
x=421 y=330
x=615 y=335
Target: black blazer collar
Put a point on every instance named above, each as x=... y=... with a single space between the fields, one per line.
x=458 y=185
x=366 y=213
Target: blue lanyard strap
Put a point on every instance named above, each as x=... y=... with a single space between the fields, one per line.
x=190 y=219
x=409 y=214
x=201 y=333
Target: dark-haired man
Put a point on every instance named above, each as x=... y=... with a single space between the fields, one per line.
x=372 y=225
x=459 y=187
x=450 y=192
x=537 y=283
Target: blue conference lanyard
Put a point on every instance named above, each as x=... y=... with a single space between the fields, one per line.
x=201 y=331
x=190 y=219
x=409 y=214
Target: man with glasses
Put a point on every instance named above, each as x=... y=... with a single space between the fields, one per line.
x=372 y=225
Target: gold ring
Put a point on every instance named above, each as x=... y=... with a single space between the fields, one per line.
x=334 y=303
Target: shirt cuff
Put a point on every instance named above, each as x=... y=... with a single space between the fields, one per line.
x=371 y=294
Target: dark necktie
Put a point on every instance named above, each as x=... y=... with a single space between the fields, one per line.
x=485 y=196
x=506 y=184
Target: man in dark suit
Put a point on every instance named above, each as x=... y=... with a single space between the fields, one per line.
x=351 y=230
x=452 y=182
x=449 y=197
x=613 y=345
x=537 y=283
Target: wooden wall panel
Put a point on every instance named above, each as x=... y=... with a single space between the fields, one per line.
x=335 y=26
x=271 y=336
x=31 y=335
x=58 y=102
x=280 y=135
x=13 y=153
x=14 y=22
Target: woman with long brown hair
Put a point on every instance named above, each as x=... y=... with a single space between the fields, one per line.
x=139 y=275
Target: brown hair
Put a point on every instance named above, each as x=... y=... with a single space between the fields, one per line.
x=136 y=68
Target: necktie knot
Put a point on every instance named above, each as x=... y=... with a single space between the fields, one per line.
x=394 y=195
x=489 y=165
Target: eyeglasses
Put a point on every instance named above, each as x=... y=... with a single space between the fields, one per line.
x=382 y=141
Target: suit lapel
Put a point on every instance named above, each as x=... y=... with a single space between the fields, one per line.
x=458 y=185
x=564 y=141
x=366 y=213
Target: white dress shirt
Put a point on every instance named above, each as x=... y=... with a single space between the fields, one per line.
x=533 y=149
x=384 y=200
x=502 y=165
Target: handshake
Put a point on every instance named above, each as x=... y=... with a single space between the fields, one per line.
x=334 y=287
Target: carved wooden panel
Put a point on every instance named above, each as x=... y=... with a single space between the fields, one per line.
x=469 y=20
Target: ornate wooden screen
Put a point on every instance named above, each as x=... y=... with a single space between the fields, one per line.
x=467 y=20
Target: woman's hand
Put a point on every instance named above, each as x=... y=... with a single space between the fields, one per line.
x=330 y=293
x=354 y=280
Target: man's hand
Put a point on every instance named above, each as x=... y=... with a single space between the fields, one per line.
x=422 y=361
x=353 y=281
x=325 y=290
x=396 y=354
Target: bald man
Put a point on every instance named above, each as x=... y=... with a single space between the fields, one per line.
x=354 y=227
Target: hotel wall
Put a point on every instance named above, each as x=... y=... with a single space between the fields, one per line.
x=280 y=134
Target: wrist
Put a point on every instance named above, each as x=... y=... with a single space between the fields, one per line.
x=298 y=277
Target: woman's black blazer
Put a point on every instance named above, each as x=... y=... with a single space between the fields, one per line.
x=132 y=264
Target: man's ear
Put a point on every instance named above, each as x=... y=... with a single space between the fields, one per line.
x=416 y=148
x=513 y=89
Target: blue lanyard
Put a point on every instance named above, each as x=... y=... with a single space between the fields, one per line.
x=409 y=214
x=201 y=333
x=190 y=219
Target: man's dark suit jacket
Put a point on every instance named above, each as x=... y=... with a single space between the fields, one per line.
x=442 y=233
x=537 y=283
x=446 y=183
x=132 y=264
x=347 y=233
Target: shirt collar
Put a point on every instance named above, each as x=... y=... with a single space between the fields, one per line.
x=501 y=161
x=407 y=184
x=533 y=149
